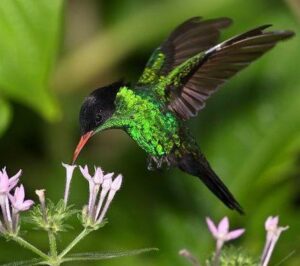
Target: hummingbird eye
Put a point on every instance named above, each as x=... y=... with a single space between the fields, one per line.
x=98 y=118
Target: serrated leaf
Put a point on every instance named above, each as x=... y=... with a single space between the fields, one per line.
x=5 y=115
x=29 y=33
x=106 y=255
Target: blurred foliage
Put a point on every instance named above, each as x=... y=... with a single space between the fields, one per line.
x=249 y=130
x=30 y=33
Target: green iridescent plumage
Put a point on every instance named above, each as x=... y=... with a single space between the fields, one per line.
x=143 y=118
x=178 y=79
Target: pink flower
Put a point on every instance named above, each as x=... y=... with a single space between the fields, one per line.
x=222 y=234
x=6 y=183
x=273 y=234
x=18 y=202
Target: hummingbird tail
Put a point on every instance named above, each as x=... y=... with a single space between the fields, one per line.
x=199 y=166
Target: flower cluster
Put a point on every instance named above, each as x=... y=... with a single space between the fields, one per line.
x=222 y=234
x=102 y=189
x=11 y=204
x=52 y=217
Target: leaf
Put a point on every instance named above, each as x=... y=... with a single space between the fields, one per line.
x=23 y=263
x=106 y=255
x=5 y=115
x=29 y=33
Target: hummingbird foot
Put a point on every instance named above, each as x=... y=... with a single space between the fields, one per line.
x=150 y=164
x=155 y=163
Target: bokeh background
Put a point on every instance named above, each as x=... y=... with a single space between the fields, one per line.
x=53 y=53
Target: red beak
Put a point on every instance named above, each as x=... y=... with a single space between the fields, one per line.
x=83 y=140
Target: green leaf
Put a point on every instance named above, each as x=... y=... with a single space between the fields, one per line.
x=23 y=263
x=106 y=255
x=5 y=115
x=29 y=33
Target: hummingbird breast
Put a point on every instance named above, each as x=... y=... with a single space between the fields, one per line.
x=154 y=129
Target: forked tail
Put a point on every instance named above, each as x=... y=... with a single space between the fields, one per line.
x=198 y=166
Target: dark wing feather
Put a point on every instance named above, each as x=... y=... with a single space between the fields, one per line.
x=219 y=64
x=188 y=39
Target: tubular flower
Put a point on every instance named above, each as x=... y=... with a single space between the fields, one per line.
x=273 y=234
x=102 y=189
x=69 y=174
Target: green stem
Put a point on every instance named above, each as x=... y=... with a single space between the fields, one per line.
x=52 y=243
x=22 y=242
x=82 y=235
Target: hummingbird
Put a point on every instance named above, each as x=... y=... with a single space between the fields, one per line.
x=181 y=74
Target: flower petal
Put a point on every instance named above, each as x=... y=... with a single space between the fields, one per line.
x=234 y=234
x=15 y=178
x=98 y=176
x=223 y=226
x=85 y=172
x=211 y=226
x=116 y=184
x=106 y=183
x=271 y=223
x=27 y=204
x=20 y=195
x=69 y=169
x=108 y=176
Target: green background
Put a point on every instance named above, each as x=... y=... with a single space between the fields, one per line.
x=53 y=53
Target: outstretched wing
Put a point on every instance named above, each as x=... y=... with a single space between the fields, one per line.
x=191 y=84
x=188 y=39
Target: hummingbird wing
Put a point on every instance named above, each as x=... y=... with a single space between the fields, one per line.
x=188 y=39
x=191 y=84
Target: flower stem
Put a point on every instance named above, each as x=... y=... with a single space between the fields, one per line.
x=52 y=243
x=82 y=235
x=22 y=242
x=219 y=246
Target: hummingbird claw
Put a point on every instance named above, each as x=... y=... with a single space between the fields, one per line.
x=155 y=163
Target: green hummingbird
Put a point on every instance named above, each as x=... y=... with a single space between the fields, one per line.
x=179 y=77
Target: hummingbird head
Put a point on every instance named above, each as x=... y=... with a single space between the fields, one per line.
x=95 y=110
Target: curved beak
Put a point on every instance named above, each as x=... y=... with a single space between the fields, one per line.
x=83 y=140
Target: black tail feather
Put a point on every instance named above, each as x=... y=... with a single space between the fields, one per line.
x=200 y=167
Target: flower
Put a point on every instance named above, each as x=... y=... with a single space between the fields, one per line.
x=18 y=202
x=18 y=205
x=272 y=228
x=6 y=183
x=41 y=194
x=222 y=234
x=94 y=184
x=70 y=169
x=101 y=188
x=273 y=234
x=114 y=186
x=11 y=205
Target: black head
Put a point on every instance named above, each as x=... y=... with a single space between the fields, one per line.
x=95 y=110
x=98 y=107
